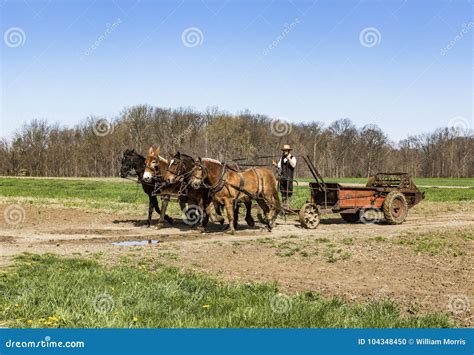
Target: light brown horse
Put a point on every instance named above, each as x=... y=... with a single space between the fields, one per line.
x=181 y=168
x=154 y=165
x=197 y=199
x=228 y=186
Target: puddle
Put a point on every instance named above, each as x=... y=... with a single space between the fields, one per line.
x=133 y=243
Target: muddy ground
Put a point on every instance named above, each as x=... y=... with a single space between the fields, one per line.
x=356 y=261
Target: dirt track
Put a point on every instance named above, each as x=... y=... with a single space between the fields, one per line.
x=356 y=261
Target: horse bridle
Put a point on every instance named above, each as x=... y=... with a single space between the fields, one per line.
x=178 y=174
x=131 y=168
x=154 y=173
x=205 y=172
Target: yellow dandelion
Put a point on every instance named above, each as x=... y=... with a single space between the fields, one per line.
x=30 y=321
x=135 y=319
x=205 y=306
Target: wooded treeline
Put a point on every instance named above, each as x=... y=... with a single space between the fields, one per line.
x=94 y=147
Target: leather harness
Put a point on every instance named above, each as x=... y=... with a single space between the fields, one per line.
x=240 y=188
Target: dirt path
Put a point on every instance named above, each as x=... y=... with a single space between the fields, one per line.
x=356 y=261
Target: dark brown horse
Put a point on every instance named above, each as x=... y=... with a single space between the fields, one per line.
x=197 y=199
x=228 y=187
x=132 y=161
x=180 y=169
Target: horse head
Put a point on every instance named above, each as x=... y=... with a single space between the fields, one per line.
x=151 y=163
x=179 y=168
x=131 y=161
x=199 y=174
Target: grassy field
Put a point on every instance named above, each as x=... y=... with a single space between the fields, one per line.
x=118 y=194
x=146 y=293
x=82 y=293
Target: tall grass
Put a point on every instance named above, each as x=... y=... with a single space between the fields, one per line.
x=48 y=291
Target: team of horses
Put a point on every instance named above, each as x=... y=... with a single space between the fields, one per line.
x=203 y=185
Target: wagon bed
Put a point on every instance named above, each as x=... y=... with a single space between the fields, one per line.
x=390 y=194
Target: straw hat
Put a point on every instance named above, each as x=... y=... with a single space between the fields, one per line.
x=286 y=147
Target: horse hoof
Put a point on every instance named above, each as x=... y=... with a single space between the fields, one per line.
x=169 y=220
x=250 y=222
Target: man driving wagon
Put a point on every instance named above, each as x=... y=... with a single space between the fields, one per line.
x=286 y=166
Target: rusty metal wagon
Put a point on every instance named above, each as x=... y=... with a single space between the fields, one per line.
x=390 y=194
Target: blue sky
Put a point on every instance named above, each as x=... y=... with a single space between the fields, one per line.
x=298 y=60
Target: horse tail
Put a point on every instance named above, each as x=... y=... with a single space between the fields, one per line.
x=276 y=197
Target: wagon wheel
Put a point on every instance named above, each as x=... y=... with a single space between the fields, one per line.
x=395 y=208
x=309 y=216
x=351 y=217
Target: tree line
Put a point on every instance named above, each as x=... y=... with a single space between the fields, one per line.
x=94 y=147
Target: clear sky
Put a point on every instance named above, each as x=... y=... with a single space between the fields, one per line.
x=403 y=65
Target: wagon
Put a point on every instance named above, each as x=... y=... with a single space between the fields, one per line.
x=390 y=194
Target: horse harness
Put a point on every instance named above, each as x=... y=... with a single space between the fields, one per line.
x=222 y=181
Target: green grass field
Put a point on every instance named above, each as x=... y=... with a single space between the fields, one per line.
x=118 y=194
x=82 y=293
x=85 y=293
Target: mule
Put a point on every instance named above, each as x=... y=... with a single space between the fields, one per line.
x=228 y=187
x=181 y=168
x=197 y=199
x=134 y=162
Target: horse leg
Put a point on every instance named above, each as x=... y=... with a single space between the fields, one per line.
x=236 y=214
x=164 y=206
x=248 y=215
x=263 y=205
x=205 y=216
x=182 y=204
x=229 y=207
x=275 y=207
x=151 y=205
x=217 y=216
x=157 y=209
